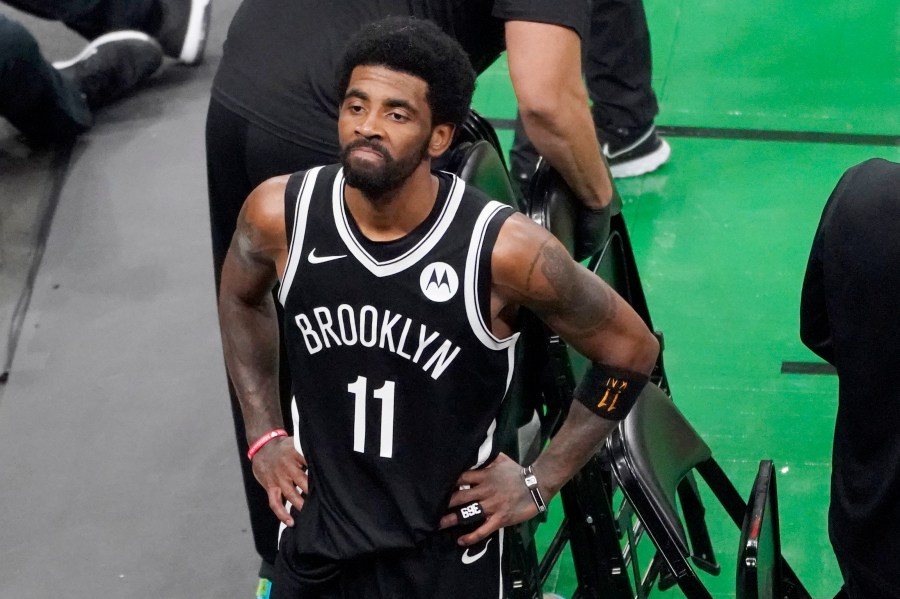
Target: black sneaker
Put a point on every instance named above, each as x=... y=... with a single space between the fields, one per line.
x=633 y=152
x=112 y=65
x=183 y=28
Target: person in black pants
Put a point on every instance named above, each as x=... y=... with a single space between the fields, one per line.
x=617 y=69
x=848 y=316
x=54 y=102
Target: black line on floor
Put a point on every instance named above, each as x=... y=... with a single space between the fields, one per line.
x=59 y=169
x=858 y=139
x=807 y=368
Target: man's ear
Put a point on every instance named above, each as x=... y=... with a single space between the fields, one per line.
x=441 y=136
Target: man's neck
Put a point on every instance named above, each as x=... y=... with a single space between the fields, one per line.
x=397 y=213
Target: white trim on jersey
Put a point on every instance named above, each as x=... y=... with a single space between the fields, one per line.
x=295 y=249
x=295 y=418
x=500 y=562
x=481 y=329
x=416 y=253
x=283 y=527
x=484 y=452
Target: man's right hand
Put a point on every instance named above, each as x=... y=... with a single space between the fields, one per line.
x=281 y=470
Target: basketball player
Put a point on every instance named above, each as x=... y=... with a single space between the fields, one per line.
x=273 y=110
x=400 y=288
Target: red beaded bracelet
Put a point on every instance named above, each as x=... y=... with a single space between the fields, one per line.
x=278 y=432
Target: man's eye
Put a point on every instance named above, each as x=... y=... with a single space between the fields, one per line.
x=396 y=116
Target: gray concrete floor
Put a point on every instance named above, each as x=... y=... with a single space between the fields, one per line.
x=118 y=471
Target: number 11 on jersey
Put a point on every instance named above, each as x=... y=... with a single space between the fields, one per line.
x=359 y=390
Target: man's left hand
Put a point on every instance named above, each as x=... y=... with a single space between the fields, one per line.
x=500 y=490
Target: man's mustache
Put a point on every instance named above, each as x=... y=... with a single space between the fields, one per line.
x=370 y=144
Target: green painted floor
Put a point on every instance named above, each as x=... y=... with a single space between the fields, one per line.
x=722 y=232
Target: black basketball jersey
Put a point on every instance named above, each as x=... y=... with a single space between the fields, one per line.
x=397 y=376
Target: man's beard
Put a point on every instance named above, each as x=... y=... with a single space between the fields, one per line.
x=377 y=182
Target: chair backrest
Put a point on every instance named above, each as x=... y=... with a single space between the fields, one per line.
x=552 y=204
x=476 y=128
x=479 y=165
x=655 y=447
x=759 y=555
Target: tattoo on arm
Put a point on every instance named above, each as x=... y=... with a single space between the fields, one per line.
x=580 y=301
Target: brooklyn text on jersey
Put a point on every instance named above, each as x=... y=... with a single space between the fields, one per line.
x=329 y=327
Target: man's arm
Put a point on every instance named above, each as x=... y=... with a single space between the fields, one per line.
x=531 y=268
x=545 y=68
x=250 y=339
x=815 y=328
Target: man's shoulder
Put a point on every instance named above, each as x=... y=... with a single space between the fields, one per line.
x=265 y=204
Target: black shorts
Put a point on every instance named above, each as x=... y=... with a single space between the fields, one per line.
x=437 y=568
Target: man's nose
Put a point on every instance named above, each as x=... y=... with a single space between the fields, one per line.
x=370 y=126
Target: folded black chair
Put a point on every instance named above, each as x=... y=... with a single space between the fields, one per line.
x=543 y=386
x=759 y=557
x=651 y=453
x=538 y=399
x=594 y=526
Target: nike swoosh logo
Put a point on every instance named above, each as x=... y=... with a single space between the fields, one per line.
x=313 y=259
x=469 y=559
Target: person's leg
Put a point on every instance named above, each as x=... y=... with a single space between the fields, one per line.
x=618 y=68
x=240 y=156
x=180 y=26
x=437 y=568
x=303 y=576
x=92 y=18
x=34 y=96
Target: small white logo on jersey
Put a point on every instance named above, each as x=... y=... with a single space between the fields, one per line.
x=439 y=282
x=469 y=559
x=313 y=259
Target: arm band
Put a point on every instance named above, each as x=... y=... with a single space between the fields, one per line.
x=278 y=432
x=610 y=392
x=532 y=485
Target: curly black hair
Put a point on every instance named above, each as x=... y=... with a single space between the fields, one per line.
x=419 y=48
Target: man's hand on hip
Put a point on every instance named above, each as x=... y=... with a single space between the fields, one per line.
x=501 y=493
x=281 y=470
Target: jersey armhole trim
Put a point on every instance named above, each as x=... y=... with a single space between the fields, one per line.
x=480 y=328
x=295 y=247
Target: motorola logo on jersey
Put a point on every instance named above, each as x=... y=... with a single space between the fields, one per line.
x=439 y=281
